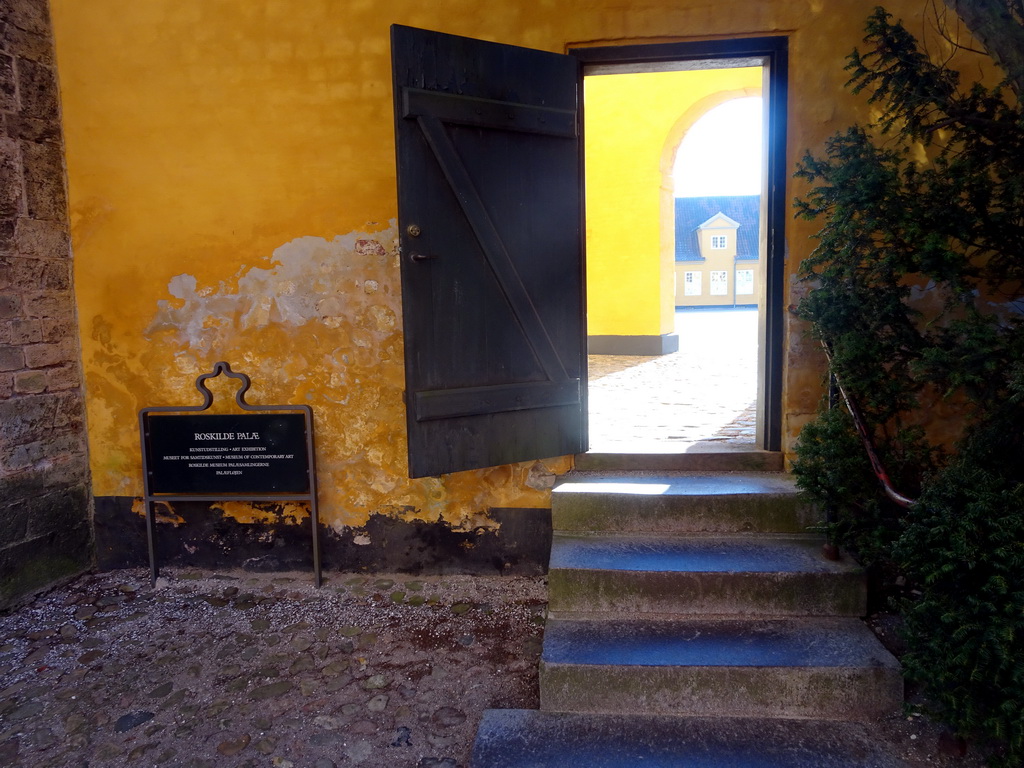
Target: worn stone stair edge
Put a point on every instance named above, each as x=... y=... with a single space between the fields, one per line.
x=668 y=617
x=780 y=482
x=781 y=536
x=813 y=642
x=711 y=460
x=712 y=552
x=689 y=593
x=841 y=693
x=686 y=502
x=826 y=668
x=522 y=738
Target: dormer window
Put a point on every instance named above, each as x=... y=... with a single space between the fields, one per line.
x=718 y=242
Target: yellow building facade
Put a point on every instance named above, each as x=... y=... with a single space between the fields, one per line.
x=718 y=260
x=232 y=193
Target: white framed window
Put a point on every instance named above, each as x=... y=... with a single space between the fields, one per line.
x=744 y=282
x=719 y=282
x=718 y=242
x=691 y=284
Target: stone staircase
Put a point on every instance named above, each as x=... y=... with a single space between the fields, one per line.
x=694 y=622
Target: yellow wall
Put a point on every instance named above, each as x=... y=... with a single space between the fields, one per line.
x=634 y=123
x=232 y=193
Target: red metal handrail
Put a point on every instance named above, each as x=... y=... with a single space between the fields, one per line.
x=865 y=436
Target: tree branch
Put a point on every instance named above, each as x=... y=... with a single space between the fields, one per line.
x=995 y=25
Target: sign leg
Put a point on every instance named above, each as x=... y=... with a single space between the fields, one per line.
x=150 y=540
x=314 y=518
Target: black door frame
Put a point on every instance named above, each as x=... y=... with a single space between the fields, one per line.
x=772 y=53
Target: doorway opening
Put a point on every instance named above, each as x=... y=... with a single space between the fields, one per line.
x=684 y=245
x=490 y=178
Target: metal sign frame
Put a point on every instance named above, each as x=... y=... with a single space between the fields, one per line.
x=150 y=496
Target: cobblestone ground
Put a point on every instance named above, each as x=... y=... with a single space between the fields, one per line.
x=706 y=391
x=240 y=669
x=243 y=670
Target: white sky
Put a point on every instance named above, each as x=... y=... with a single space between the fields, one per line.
x=721 y=153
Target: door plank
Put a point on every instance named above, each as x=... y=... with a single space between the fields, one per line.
x=489 y=113
x=475 y=401
x=493 y=247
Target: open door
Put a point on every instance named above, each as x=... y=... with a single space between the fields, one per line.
x=490 y=222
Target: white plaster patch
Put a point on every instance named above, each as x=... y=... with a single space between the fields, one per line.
x=182 y=286
x=311 y=279
x=540 y=478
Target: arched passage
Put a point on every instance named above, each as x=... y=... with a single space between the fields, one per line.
x=633 y=125
x=681 y=131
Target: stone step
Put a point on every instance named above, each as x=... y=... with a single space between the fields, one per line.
x=706 y=574
x=822 y=668
x=709 y=457
x=723 y=502
x=517 y=738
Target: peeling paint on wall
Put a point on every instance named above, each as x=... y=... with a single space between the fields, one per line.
x=311 y=279
x=320 y=325
x=163 y=512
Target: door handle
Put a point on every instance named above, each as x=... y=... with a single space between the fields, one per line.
x=414 y=230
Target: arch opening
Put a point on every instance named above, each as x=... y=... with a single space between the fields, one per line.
x=695 y=379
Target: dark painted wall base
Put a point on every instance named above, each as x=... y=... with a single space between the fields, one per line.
x=665 y=344
x=50 y=532
x=208 y=539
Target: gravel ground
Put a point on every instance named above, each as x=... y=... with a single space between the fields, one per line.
x=237 y=669
x=242 y=669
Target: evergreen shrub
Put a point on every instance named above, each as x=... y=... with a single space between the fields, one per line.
x=917 y=291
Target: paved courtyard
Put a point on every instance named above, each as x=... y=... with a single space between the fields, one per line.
x=706 y=391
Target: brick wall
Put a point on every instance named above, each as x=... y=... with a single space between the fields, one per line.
x=45 y=503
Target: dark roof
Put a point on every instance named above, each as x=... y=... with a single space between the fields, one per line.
x=691 y=212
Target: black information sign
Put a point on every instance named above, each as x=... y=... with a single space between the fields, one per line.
x=252 y=453
x=262 y=454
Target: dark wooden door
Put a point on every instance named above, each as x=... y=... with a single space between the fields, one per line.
x=490 y=212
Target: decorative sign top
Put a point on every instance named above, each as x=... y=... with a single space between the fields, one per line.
x=264 y=453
